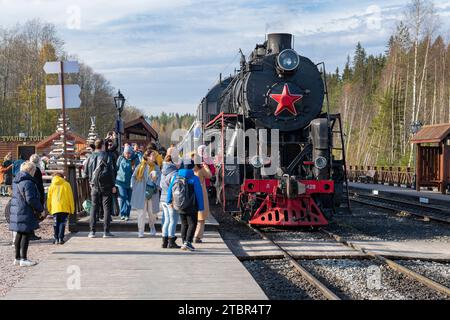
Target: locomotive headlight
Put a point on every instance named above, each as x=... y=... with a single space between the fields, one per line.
x=320 y=162
x=288 y=60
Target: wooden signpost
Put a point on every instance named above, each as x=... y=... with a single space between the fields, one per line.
x=62 y=96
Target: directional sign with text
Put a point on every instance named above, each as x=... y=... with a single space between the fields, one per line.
x=55 y=67
x=54 y=92
x=71 y=96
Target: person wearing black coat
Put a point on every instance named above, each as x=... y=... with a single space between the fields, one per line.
x=25 y=202
x=40 y=185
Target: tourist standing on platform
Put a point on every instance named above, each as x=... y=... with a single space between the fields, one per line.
x=112 y=147
x=100 y=170
x=186 y=196
x=137 y=154
x=169 y=170
x=139 y=181
x=60 y=204
x=152 y=198
x=203 y=172
x=17 y=164
x=25 y=206
x=40 y=185
x=123 y=182
x=174 y=153
x=7 y=168
x=159 y=158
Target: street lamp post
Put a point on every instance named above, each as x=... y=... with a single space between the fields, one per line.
x=415 y=127
x=119 y=101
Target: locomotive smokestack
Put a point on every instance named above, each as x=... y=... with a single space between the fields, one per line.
x=277 y=42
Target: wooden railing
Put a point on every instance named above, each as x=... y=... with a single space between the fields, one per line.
x=81 y=192
x=394 y=176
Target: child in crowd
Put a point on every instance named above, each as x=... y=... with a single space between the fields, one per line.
x=60 y=204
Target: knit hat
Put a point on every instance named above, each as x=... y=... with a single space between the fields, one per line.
x=128 y=149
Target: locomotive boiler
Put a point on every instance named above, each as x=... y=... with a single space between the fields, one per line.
x=279 y=154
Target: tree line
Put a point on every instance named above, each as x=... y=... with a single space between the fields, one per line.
x=24 y=49
x=380 y=96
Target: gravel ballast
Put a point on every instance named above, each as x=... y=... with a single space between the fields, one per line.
x=367 y=279
x=439 y=272
x=280 y=281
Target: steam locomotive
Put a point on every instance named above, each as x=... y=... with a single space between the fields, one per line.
x=280 y=158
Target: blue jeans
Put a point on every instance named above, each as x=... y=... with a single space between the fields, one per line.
x=124 y=201
x=59 y=225
x=170 y=220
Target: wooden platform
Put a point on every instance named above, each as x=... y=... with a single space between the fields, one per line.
x=264 y=249
x=406 y=193
x=126 y=267
x=131 y=225
x=417 y=249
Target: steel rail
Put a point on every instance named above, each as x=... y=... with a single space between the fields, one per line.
x=393 y=265
x=419 y=206
x=425 y=217
x=305 y=274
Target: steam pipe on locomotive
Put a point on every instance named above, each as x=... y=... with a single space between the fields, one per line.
x=279 y=92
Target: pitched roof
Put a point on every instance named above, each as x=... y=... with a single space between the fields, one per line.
x=71 y=135
x=141 y=122
x=432 y=133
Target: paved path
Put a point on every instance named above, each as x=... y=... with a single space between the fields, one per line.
x=126 y=267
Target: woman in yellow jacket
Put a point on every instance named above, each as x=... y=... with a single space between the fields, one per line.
x=60 y=204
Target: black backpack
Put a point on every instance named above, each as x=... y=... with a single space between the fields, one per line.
x=102 y=176
x=183 y=195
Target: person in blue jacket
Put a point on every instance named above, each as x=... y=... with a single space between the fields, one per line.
x=123 y=182
x=189 y=217
x=25 y=202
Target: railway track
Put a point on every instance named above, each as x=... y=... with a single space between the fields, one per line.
x=330 y=293
x=426 y=213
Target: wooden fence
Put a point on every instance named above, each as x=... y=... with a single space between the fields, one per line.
x=394 y=176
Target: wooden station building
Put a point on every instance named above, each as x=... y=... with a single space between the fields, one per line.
x=433 y=157
x=139 y=131
x=27 y=146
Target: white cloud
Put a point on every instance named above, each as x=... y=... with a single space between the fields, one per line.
x=168 y=53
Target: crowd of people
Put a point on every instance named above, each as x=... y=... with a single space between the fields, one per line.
x=24 y=183
x=143 y=180
x=134 y=179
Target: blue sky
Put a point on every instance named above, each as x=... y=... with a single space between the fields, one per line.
x=165 y=55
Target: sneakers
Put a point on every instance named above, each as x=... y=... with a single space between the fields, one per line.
x=122 y=218
x=27 y=263
x=61 y=242
x=108 y=235
x=16 y=262
x=91 y=234
x=188 y=246
x=198 y=240
x=140 y=235
x=126 y=218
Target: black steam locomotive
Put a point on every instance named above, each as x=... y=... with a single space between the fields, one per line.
x=294 y=178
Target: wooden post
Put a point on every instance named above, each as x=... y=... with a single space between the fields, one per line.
x=418 y=166
x=442 y=183
x=63 y=103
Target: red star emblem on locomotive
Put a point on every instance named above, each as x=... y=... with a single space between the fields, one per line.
x=286 y=101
